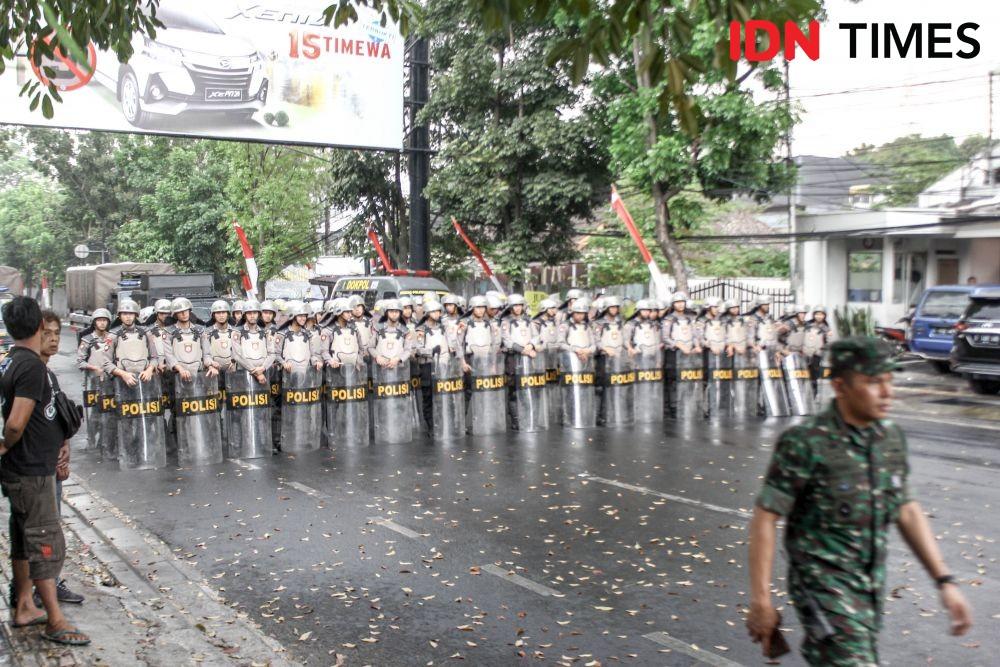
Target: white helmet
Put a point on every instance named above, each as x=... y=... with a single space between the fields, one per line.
x=713 y=302
x=645 y=304
x=405 y=302
x=179 y=305
x=430 y=305
x=580 y=306
x=354 y=301
x=450 y=298
x=493 y=301
x=391 y=304
x=611 y=300
x=478 y=301
x=678 y=296
x=146 y=313
x=801 y=308
x=545 y=304
x=574 y=294
x=268 y=305
x=101 y=312
x=517 y=300
x=163 y=306
x=238 y=306
x=296 y=308
x=316 y=308
x=340 y=306
x=222 y=306
x=128 y=306
x=251 y=306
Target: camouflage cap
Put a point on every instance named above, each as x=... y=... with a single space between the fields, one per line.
x=862 y=354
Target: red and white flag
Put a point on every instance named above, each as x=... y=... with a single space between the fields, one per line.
x=250 y=277
x=659 y=282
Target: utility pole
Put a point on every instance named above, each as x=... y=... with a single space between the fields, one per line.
x=990 y=177
x=419 y=160
x=793 y=248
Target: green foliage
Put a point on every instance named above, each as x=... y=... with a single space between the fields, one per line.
x=854 y=321
x=514 y=168
x=33 y=239
x=913 y=162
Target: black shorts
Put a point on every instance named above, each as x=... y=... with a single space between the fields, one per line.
x=35 y=529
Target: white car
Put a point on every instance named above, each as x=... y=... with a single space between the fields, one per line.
x=191 y=65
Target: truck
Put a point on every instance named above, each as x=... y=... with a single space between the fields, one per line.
x=147 y=289
x=375 y=288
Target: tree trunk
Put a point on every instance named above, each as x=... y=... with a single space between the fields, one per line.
x=641 y=44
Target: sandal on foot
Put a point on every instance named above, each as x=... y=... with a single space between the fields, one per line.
x=41 y=620
x=60 y=637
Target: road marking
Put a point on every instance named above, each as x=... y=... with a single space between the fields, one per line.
x=308 y=490
x=668 y=496
x=246 y=466
x=663 y=639
x=940 y=420
x=392 y=525
x=521 y=581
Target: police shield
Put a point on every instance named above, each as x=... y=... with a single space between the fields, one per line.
x=577 y=378
x=416 y=394
x=141 y=440
x=248 y=414
x=553 y=391
x=487 y=414
x=822 y=390
x=108 y=419
x=798 y=384
x=391 y=400
x=196 y=413
x=648 y=390
x=92 y=408
x=619 y=390
x=720 y=377
x=346 y=405
x=746 y=379
x=448 y=397
x=773 y=397
x=531 y=409
x=301 y=409
x=688 y=386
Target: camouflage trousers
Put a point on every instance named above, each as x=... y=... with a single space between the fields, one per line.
x=852 y=644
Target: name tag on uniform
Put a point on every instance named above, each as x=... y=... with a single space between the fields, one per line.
x=897 y=482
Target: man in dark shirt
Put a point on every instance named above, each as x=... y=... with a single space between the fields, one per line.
x=29 y=455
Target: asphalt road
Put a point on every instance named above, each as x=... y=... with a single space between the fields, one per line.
x=590 y=547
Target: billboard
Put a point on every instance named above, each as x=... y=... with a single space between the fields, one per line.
x=235 y=69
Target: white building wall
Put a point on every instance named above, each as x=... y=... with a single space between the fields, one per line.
x=983 y=261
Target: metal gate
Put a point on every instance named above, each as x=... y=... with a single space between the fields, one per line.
x=744 y=294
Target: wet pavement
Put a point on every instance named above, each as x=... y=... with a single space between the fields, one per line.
x=592 y=547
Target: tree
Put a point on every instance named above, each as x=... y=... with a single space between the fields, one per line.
x=684 y=120
x=33 y=239
x=514 y=167
x=913 y=162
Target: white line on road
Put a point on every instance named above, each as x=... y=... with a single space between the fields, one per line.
x=521 y=581
x=308 y=490
x=393 y=526
x=668 y=496
x=663 y=639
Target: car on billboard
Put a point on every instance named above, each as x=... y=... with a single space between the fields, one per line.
x=191 y=65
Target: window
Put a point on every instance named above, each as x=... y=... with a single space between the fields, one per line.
x=984 y=309
x=944 y=305
x=864 y=277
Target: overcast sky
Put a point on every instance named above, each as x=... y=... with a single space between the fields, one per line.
x=834 y=124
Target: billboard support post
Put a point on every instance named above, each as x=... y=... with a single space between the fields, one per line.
x=419 y=158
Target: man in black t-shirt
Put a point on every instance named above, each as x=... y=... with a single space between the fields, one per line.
x=29 y=454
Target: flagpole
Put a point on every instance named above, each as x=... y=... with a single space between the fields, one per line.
x=478 y=255
x=659 y=282
x=251 y=276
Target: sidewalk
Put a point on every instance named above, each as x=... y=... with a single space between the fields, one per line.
x=143 y=607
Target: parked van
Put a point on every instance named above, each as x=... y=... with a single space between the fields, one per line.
x=375 y=288
x=932 y=330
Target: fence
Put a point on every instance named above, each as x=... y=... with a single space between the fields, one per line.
x=744 y=294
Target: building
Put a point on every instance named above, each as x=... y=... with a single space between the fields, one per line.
x=884 y=259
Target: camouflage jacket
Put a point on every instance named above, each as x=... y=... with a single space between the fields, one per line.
x=839 y=487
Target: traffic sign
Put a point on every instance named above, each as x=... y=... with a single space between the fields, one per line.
x=82 y=251
x=76 y=76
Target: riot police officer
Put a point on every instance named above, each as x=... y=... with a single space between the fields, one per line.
x=762 y=333
x=482 y=347
x=683 y=358
x=98 y=391
x=615 y=392
x=565 y=307
x=577 y=348
x=436 y=345
x=520 y=343
x=547 y=331
x=297 y=350
x=392 y=347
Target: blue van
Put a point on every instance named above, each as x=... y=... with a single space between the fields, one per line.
x=932 y=329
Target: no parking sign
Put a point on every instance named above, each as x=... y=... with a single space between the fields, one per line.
x=69 y=75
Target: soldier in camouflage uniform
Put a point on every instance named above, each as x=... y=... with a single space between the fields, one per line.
x=840 y=478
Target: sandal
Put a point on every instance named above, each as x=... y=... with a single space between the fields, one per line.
x=41 y=620
x=59 y=637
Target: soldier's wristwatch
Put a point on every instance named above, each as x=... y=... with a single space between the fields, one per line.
x=945 y=579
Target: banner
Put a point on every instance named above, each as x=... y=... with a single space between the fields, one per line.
x=235 y=69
